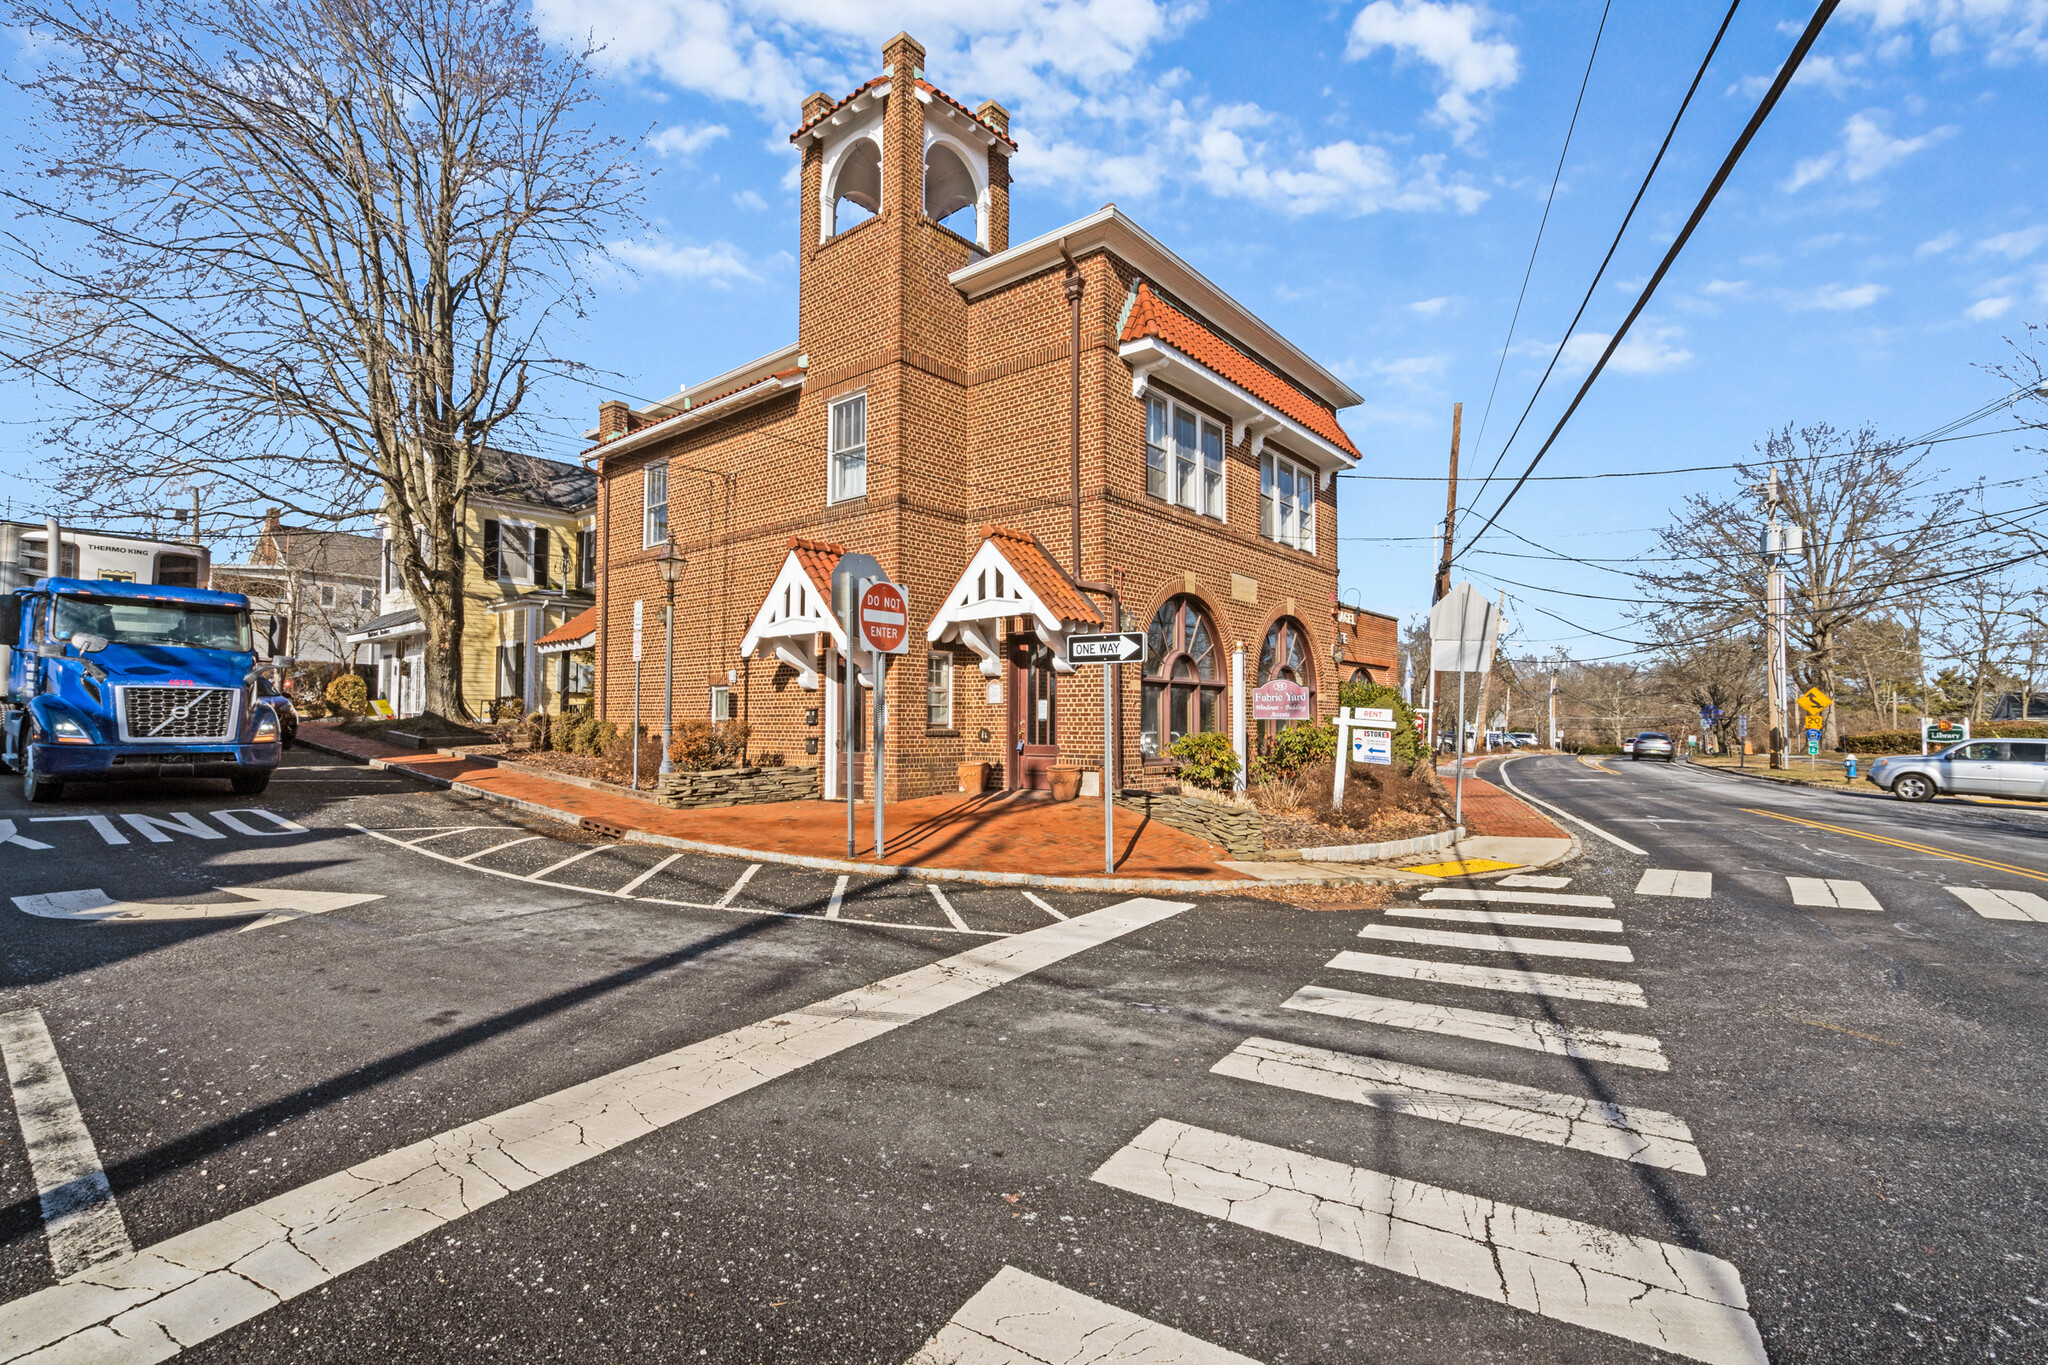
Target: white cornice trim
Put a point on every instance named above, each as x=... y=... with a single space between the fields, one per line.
x=696 y=417
x=1109 y=229
x=853 y=108
x=1150 y=358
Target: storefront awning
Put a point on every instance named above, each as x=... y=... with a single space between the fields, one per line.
x=390 y=626
x=1010 y=574
x=798 y=609
x=578 y=632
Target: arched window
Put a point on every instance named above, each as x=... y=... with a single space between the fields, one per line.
x=950 y=187
x=1284 y=653
x=857 y=180
x=1183 y=677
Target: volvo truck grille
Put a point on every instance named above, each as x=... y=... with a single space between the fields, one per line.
x=159 y=713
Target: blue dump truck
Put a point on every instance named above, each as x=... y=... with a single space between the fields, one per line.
x=110 y=681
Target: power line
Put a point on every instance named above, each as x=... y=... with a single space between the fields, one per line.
x=1606 y=260
x=1728 y=164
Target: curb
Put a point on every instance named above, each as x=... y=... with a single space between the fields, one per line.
x=1183 y=886
x=1368 y=853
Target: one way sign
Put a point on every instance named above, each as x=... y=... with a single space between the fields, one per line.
x=1119 y=648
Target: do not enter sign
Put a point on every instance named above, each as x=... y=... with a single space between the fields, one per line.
x=885 y=618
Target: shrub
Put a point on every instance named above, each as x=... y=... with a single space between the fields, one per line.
x=348 y=694
x=616 y=755
x=1206 y=760
x=1407 y=732
x=772 y=759
x=1880 y=742
x=1286 y=753
x=709 y=744
x=507 y=709
x=540 y=728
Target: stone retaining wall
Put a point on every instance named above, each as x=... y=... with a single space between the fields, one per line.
x=1240 y=830
x=737 y=787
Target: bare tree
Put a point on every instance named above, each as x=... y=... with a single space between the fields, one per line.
x=1612 y=695
x=1982 y=621
x=1720 y=674
x=304 y=253
x=1873 y=530
x=1883 y=653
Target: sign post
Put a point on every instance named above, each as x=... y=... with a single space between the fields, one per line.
x=1115 y=648
x=637 y=610
x=1463 y=628
x=1365 y=734
x=849 y=576
x=885 y=627
x=1943 y=732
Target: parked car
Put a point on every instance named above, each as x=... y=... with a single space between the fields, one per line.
x=1525 y=739
x=281 y=702
x=1652 y=744
x=1976 y=767
x=1628 y=747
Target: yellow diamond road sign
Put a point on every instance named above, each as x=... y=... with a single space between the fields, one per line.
x=1813 y=699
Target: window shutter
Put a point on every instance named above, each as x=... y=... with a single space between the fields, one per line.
x=540 y=556
x=490 y=549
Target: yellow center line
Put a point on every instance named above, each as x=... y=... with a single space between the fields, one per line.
x=1901 y=843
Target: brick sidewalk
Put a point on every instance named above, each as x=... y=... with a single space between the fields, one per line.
x=1491 y=811
x=995 y=832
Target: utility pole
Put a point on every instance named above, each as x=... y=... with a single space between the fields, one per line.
x=1779 y=540
x=1556 y=662
x=1443 y=565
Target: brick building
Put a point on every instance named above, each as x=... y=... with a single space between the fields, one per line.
x=922 y=415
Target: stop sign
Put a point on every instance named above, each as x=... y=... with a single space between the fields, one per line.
x=885 y=618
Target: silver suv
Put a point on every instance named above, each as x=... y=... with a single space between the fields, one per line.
x=1976 y=767
x=1651 y=744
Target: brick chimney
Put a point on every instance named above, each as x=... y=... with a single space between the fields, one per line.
x=614 y=419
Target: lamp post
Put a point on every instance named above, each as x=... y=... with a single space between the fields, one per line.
x=671 y=561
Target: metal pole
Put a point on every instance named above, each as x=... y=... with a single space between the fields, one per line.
x=668 y=686
x=636 y=722
x=878 y=664
x=1108 y=758
x=1458 y=817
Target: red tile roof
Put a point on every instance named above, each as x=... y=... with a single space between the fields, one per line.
x=924 y=85
x=1045 y=578
x=696 y=404
x=819 y=558
x=828 y=112
x=971 y=115
x=575 y=628
x=1152 y=316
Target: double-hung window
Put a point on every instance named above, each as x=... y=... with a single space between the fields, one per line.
x=586 y=559
x=509 y=551
x=938 y=690
x=1287 y=502
x=654 y=504
x=1183 y=457
x=721 y=703
x=849 y=423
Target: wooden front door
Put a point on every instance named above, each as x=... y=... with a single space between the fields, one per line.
x=1034 y=714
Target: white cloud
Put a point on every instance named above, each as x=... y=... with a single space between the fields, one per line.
x=1984 y=310
x=1725 y=288
x=2009 y=31
x=682 y=140
x=1647 y=351
x=747 y=199
x=1866 y=150
x=1450 y=37
x=1935 y=246
x=1409 y=370
x=1429 y=308
x=2014 y=245
x=1839 y=298
x=719 y=264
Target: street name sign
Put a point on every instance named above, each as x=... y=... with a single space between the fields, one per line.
x=885 y=618
x=1119 y=647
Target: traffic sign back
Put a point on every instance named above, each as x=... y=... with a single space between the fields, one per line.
x=885 y=618
x=1117 y=647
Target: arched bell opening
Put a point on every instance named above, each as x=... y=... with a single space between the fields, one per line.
x=857 y=181
x=950 y=189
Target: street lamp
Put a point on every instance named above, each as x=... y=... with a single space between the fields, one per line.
x=671 y=561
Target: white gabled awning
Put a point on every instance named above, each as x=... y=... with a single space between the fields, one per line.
x=1010 y=574
x=797 y=610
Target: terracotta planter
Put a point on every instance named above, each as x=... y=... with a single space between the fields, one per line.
x=974 y=777
x=1066 y=783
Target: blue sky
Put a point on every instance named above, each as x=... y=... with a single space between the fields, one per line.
x=1369 y=177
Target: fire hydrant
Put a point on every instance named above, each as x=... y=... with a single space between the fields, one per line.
x=1849 y=766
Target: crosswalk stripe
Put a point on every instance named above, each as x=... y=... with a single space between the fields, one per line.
x=2019 y=905
x=81 y=1222
x=1535 y=1035
x=1660 y=881
x=1515 y=979
x=1531 y=880
x=1043 y=906
x=1020 y=1319
x=1657 y=1294
x=1520 y=919
x=1462 y=893
x=1646 y=1137
x=838 y=901
x=1499 y=943
x=1831 y=893
x=197 y=1284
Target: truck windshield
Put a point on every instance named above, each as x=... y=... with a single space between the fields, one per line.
x=130 y=622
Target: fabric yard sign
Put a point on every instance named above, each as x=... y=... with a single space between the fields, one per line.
x=1280 y=700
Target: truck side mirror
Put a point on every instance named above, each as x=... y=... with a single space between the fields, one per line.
x=87 y=643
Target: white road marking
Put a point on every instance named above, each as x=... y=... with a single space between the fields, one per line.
x=495 y=848
x=1624 y=1132
x=1515 y=979
x=1659 y=881
x=630 y=887
x=275 y=903
x=1043 y=906
x=2019 y=905
x=952 y=915
x=81 y=1221
x=1832 y=893
x=1531 y=880
x=838 y=901
x=1518 y=919
x=732 y=893
x=459 y=829
x=152 y=827
x=1460 y=893
x=1617 y=841
x=189 y=1288
x=1534 y=1035
x=100 y=823
x=1019 y=1319
x=9 y=836
x=1660 y=1295
x=1499 y=943
x=572 y=858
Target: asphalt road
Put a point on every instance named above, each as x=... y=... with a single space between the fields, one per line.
x=527 y=1108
